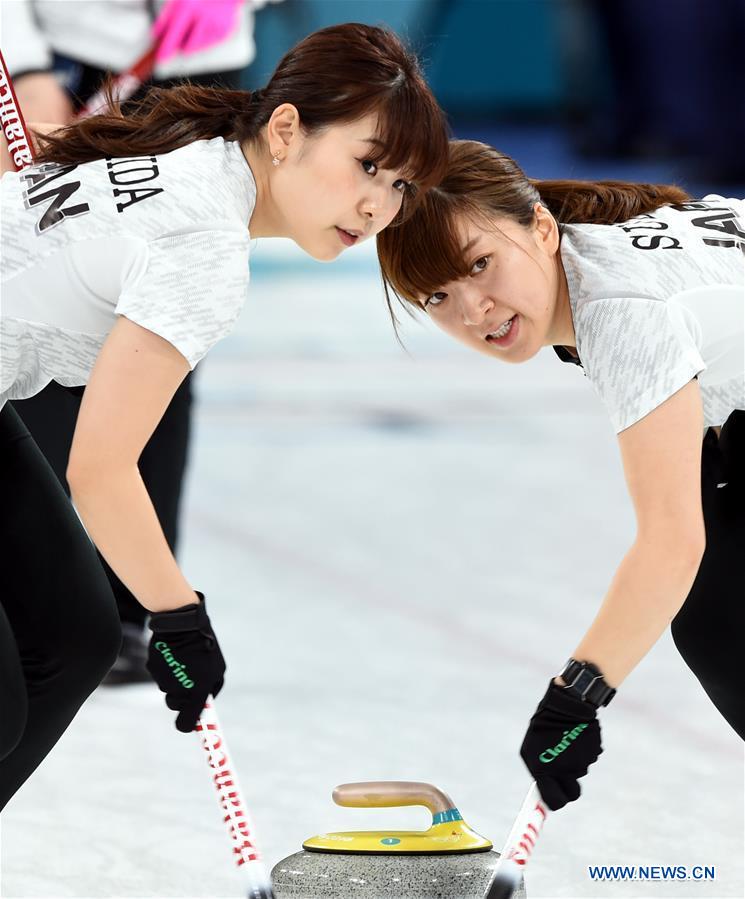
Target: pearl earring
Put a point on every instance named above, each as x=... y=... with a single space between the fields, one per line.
x=276 y=160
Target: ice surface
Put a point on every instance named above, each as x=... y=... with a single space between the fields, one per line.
x=397 y=552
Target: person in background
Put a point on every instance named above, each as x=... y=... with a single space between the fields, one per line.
x=695 y=113
x=58 y=54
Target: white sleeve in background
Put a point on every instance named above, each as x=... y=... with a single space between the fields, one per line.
x=636 y=353
x=191 y=290
x=24 y=43
x=111 y=34
x=236 y=51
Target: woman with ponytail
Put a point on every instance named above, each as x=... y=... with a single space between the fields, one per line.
x=125 y=259
x=642 y=286
x=58 y=59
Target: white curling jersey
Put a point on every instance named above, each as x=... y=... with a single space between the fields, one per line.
x=659 y=300
x=162 y=240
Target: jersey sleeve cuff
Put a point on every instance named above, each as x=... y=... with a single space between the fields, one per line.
x=688 y=370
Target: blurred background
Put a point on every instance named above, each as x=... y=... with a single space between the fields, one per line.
x=572 y=88
x=401 y=547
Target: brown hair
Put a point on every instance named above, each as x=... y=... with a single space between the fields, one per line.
x=423 y=253
x=334 y=76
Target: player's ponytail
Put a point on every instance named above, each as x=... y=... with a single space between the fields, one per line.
x=163 y=119
x=423 y=253
x=336 y=75
x=604 y=202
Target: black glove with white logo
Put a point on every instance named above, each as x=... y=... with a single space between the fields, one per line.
x=562 y=741
x=185 y=660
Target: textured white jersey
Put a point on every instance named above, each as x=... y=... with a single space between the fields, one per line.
x=162 y=240
x=659 y=300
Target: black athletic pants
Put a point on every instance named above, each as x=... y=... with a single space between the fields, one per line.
x=51 y=415
x=59 y=627
x=709 y=631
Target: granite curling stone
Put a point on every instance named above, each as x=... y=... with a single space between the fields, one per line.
x=448 y=861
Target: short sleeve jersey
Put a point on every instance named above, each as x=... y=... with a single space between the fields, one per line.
x=162 y=240
x=657 y=301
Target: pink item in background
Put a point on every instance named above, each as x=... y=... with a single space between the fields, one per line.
x=186 y=26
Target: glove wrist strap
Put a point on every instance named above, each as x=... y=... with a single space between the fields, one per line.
x=585 y=681
x=192 y=617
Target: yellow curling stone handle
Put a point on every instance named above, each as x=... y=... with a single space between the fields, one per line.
x=449 y=833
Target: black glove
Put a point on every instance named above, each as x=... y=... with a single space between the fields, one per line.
x=562 y=741
x=185 y=660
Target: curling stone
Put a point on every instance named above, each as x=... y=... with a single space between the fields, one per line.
x=448 y=861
